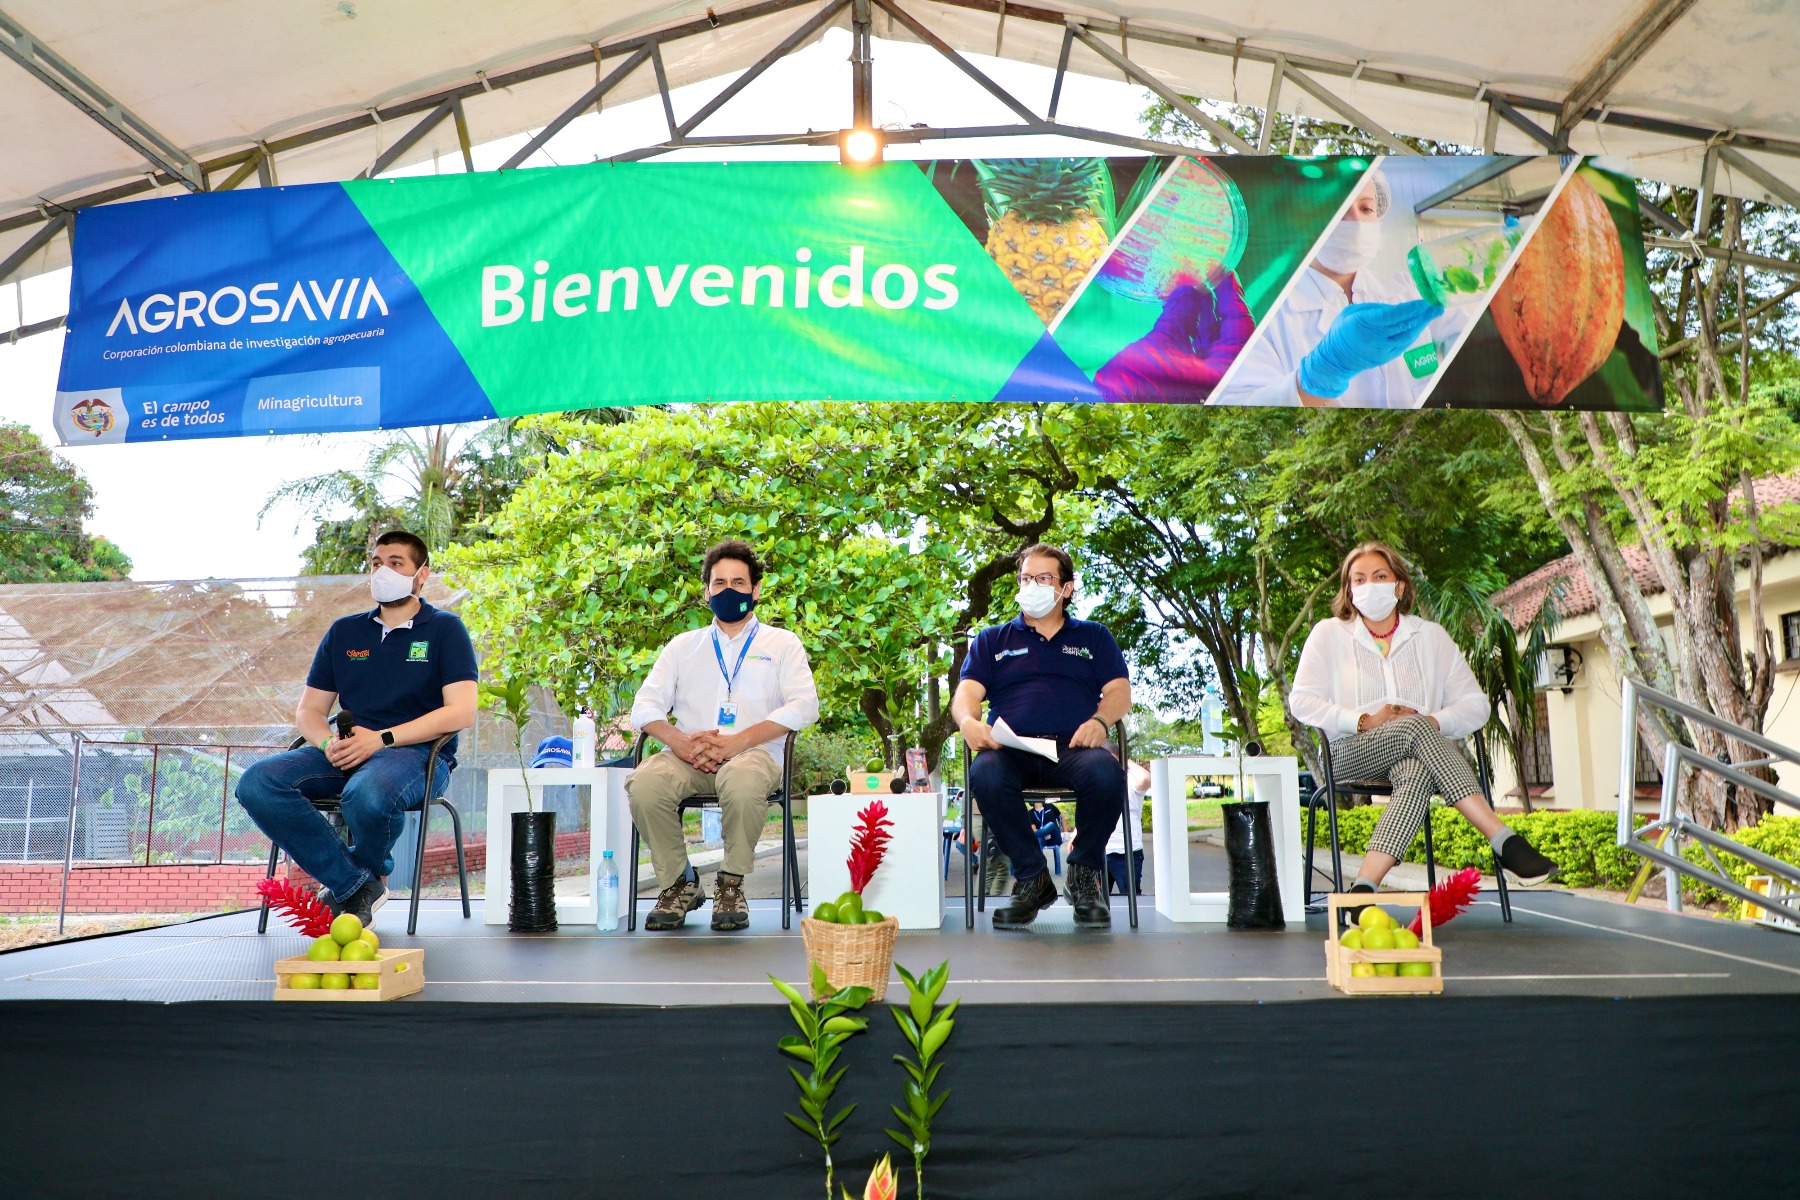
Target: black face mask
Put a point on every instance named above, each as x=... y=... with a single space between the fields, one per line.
x=731 y=605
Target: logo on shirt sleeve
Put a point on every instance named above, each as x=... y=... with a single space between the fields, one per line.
x=419 y=652
x=1011 y=653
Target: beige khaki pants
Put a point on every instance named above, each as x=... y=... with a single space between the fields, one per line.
x=742 y=785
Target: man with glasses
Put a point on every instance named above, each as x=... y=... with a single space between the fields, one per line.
x=1048 y=675
x=736 y=687
x=404 y=675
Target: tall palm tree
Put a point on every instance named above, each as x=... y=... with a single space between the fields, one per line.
x=433 y=480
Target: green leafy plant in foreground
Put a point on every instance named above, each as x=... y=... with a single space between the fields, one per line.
x=926 y=1031
x=824 y=1027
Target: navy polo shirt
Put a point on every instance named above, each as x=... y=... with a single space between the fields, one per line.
x=1044 y=688
x=384 y=682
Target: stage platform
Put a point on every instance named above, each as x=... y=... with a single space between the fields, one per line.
x=1559 y=945
x=1162 y=1062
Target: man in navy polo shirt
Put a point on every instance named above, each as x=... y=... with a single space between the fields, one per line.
x=404 y=672
x=1047 y=675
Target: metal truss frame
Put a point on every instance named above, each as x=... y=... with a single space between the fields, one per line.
x=1660 y=840
x=1586 y=102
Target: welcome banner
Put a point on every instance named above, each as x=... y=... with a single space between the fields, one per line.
x=1254 y=280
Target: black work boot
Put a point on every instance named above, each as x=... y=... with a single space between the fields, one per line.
x=1028 y=897
x=1087 y=898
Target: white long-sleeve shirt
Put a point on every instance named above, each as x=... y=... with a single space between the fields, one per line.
x=1342 y=675
x=774 y=684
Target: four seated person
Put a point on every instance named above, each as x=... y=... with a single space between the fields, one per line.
x=736 y=688
x=1391 y=692
x=404 y=673
x=1048 y=675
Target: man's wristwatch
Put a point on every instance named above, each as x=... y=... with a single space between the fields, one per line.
x=387 y=737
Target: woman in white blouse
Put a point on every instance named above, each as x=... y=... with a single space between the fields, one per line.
x=1391 y=692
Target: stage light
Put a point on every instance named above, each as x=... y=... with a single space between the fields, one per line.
x=859 y=147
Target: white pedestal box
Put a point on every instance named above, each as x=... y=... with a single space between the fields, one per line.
x=909 y=884
x=1276 y=780
x=609 y=828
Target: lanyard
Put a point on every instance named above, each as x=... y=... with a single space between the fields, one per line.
x=731 y=676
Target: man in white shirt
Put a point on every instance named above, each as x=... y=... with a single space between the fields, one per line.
x=736 y=689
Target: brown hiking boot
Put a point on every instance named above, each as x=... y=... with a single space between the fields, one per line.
x=730 y=910
x=675 y=903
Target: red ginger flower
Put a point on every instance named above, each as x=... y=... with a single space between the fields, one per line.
x=882 y=1185
x=868 y=844
x=299 y=906
x=1449 y=898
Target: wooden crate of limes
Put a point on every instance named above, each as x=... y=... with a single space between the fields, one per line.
x=349 y=964
x=1398 y=965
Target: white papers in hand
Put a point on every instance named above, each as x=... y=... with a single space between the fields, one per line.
x=1043 y=747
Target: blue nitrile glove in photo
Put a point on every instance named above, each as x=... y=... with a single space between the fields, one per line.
x=1363 y=336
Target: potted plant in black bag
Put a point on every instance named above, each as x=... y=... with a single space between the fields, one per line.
x=1255 y=895
x=533 y=903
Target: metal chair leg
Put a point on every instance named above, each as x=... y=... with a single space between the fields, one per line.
x=462 y=869
x=262 y=920
x=418 y=879
x=1430 y=858
x=786 y=867
x=793 y=859
x=1131 y=883
x=1337 y=857
x=631 y=909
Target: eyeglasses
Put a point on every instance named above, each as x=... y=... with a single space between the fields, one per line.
x=1048 y=579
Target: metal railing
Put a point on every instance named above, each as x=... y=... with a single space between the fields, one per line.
x=1660 y=840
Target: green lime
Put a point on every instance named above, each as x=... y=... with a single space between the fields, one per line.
x=872 y=917
x=334 y=981
x=303 y=980
x=324 y=949
x=849 y=902
x=827 y=912
x=358 y=951
x=368 y=981
x=346 y=928
x=1421 y=970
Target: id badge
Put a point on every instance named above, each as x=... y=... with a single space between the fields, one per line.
x=727 y=716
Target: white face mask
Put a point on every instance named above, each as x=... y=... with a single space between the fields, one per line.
x=1375 y=600
x=1037 y=599
x=389 y=586
x=1351 y=246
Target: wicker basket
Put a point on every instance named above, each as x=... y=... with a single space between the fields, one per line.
x=851 y=954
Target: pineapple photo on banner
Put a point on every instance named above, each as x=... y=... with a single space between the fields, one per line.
x=395 y=302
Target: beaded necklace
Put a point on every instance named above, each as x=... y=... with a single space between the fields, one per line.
x=1384 y=640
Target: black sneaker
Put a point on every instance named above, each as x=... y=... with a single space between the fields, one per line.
x=1349 y=918
x=1028 y=897
x=363 y=902
x=1091 y=911
x=1527 y=867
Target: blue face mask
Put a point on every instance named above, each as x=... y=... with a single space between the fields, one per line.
x=731 y=605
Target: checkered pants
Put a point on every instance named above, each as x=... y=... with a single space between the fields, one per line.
x=1413 y=757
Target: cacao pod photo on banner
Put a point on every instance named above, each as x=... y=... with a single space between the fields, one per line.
x=1570 y=327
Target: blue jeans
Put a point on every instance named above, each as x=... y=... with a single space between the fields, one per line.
x=374 y=798
x=997 y=779
x=1115 y=867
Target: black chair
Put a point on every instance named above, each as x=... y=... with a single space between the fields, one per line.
x=970 y=812
x=333 y=813
x=1326 y=797
x=790 y=853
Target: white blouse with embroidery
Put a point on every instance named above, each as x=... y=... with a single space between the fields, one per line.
x=1342 y=675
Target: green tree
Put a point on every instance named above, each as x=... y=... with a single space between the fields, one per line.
x=44 y=503
x=887 y=529
x=1678 y=485
x=442 y=482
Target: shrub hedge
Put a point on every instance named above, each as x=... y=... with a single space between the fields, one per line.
x=1581 y=842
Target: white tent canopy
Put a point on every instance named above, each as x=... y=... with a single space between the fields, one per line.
x=110 y=102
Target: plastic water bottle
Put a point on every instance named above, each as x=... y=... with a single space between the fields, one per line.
x=584 y=739
x=606 y=894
